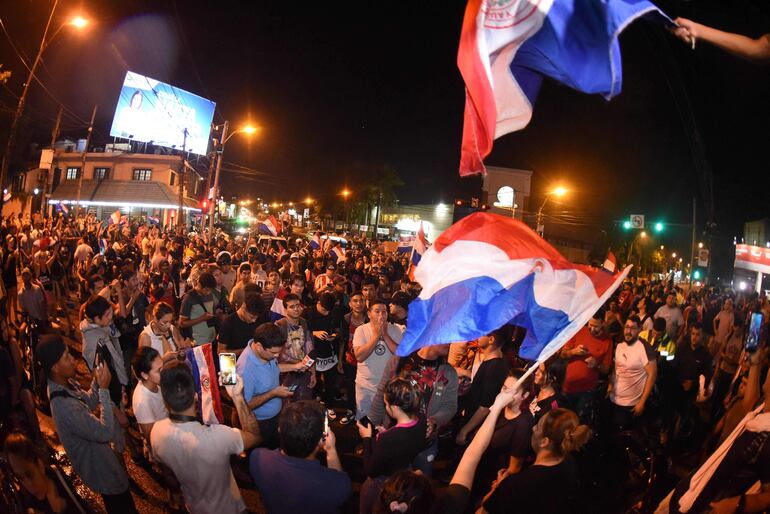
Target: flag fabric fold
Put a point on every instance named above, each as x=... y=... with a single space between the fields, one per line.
x=507 y=47
x=488 y=270
x=269 y=226
x=315 y=243
x=201 y=362
x=418 y=250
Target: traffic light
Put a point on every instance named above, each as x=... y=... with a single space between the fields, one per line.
x=627 y=225
x=659 y=227
x=696 y=274
x=204 y=205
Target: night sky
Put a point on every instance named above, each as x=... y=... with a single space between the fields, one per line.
x=341 y=85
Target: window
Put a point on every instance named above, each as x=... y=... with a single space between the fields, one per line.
x=18 y=184
x=172 y=180
x=72 y=173
x=142 y=174
x=101 y=173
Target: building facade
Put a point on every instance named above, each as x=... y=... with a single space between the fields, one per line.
x=138 y=185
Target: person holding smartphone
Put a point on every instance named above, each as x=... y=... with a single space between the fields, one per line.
x=323 y=323
x=258 y=369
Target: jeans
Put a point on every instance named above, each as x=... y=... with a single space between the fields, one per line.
x=424 y=459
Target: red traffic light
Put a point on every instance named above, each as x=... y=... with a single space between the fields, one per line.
x=204 y=204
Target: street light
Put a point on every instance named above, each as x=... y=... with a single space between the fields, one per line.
x=643 y=234
x=345 y=194
x=558 y=193
x=673 y=255
x=700 y=245
x=246 y=129
x=78 y=22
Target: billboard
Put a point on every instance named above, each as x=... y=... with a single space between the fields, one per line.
x=152 y=111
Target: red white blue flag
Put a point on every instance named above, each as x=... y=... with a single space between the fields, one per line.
x=418 y=250
x=508 y=46
x=315 y=243
x=201 y=362
x=488 y=270
x=269 y=226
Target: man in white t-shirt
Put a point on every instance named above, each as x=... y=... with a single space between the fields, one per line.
x=673 y=316
x=633 y=376
x=199 y=455
x=83 y=252
x=374 y=343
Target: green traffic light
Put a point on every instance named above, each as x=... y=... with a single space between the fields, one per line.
x=659 y=227
x=696 y=274
x=626 y=225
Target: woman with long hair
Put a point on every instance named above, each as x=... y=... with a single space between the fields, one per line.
x=548 y=381
x=161 y=334
x=547 y=485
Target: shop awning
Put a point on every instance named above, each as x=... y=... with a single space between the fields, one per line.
x=121 y=193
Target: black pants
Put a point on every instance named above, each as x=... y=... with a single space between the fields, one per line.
x=326 y=385
x=350 y=385
x=122 y=503
x=269 y=430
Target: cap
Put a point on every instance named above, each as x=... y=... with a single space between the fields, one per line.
x=401 y=299
x=49 y=350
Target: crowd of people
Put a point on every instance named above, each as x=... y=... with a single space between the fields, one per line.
x=313 y=330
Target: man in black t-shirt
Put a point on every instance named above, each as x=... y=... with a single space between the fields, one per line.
x=324 y=325
x=238 y=328
x=487 y=381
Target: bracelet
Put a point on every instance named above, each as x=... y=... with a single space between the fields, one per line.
x=741 y=504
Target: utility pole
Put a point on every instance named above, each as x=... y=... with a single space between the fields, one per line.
x=377 y=217
x=212 y=165
x=20 y=106
x=223 y=140
x=692 y=243
x=182 y=176
x=83 y=158
x=49 y=174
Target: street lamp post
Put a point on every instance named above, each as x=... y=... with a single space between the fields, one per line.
x=225 y=138
x=77 y=22
x=345 y=194
x=558 y=192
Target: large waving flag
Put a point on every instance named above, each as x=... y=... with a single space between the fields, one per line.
x=201 y=362
x=488 y=270
x=508 y=46
x=269 y=226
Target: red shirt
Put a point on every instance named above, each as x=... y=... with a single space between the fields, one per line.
x=579 y=377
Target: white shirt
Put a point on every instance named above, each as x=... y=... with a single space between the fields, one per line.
x=673 y=317
x=629 y=375
x=199 y=456
x=370 y=371
x=148 y=406
x=82 y=252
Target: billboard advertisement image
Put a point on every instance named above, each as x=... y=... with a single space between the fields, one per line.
x=152 y=111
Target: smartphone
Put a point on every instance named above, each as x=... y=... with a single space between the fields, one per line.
x=752 y=338
x=326 y=424
x=308 y=361
x=227 y=368
x=365 y=421
x=293 y=388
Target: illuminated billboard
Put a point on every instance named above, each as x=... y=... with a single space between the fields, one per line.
x=152 y=111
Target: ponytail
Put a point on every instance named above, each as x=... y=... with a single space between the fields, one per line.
x=563 y=429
